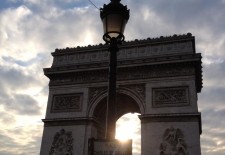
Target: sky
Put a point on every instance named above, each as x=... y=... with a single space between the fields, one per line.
x=31 y=29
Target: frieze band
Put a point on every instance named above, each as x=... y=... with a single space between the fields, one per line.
x=124 y=53
x=132 y=73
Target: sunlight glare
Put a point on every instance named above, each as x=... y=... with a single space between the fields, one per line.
x=127 y=127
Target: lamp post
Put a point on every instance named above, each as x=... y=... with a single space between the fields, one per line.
x=114 y=17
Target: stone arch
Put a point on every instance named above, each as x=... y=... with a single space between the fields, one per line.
x=100 y=97
x=137 y=96
x=126 y=102
x=130 y=98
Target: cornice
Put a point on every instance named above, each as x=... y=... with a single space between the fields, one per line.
x=70 y=121
x=136 y=42
x=125 y=63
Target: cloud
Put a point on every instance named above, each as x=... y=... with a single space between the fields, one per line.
x=214 y=74
x=14 y=82
x=20 y=141
x=211 y=104
x=7 y=143
x=203 y=18
x=7 y=118
x=22 y=104
x=31 y=32
x=14 y=77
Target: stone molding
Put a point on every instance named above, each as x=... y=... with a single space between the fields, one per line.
x=173 y=142
x=62 y=143
x=67 y=103
x=170 y=97
x=70 y=121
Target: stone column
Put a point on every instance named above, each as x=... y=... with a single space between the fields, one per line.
x=67 y=127
x=171 y=124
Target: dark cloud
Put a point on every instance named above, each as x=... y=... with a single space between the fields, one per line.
x=39 y=58
x=21 y=104
x=213 y=87
x=203 y=18
x=7 y=3
x=184 y=14
x=212 y=95
x=214 y=72
x=13 y=78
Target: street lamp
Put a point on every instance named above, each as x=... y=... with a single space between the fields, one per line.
x=114 y=17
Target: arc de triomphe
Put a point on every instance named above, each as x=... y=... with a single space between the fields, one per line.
x=158 y=78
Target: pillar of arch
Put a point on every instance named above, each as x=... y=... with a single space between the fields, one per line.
x=158 y=78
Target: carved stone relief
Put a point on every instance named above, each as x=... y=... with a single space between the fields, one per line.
x=62 y=143
x=137 y=89
x=173 y=143
x=125 y=53
x=67 y=103
x=125 y=74
x=173 y=96
x=96 y=92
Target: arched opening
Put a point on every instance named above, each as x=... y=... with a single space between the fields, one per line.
x=129 y=127
x=127 y=119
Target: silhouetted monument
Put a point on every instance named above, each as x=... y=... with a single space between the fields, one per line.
x=158 y=78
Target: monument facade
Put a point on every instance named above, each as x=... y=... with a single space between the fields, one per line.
x=158 y=78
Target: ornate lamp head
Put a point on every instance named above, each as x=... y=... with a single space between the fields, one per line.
x=114 y=17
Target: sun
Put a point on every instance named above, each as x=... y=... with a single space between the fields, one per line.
x=128 y=127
